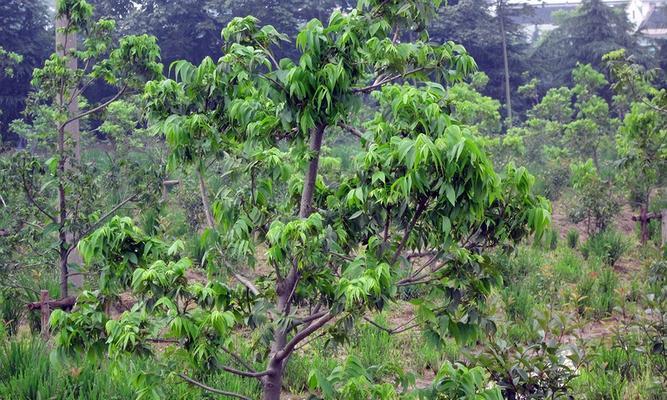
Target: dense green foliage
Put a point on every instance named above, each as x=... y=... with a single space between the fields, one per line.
x=332 y=206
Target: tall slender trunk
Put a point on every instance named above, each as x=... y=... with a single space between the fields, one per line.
x=508 y=90
x=66 y=42
x=272 y=383
x=62 y=214
x=316 y=136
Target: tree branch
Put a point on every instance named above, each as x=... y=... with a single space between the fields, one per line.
x=238 y=359
x=212 y=390
x=307 y=331
x=247 y=374
x=32 y=200
x=309 y=318
x=392 y=331
x=247 y=283
x=354 y=131
x=370 y=88
x=100 y=221
x=96 y=109
x=418 y=212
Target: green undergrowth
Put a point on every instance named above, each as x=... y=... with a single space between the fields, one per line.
x=566 y=315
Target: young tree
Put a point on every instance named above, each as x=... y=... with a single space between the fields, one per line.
x=582 y=36
x=62 y=189
x=24 y=29
x=421 y=206
x=642 y=136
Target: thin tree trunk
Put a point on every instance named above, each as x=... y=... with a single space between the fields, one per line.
x=65 y=43
x=62 y=215
x=203 y=192
x=272 y=383
x=316 y=136
x=508 y=95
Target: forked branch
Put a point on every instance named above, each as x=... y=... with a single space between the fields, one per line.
x=211 y=389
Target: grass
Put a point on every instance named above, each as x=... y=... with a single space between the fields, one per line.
x=536 y=278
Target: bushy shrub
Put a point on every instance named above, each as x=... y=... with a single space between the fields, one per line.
x=596 y=291
x=459 y=382
x=519 y=303
x=10 y=310
x=568 y=266
x=605 y=293
x=541 y=368
x=552 y=239
x=608 y=246
x=572 y=238
x=526 y=263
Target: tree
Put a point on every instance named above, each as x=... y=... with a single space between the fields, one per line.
x=582 y=36
x=420 y=207
x=568 y=124
x=595 y=201
x=641 y=144
x=471 y=23
x=61 y=190
x=20 y=21
x=641 y=138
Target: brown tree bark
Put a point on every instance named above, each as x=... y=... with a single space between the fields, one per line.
x=206 y=204
x=280 y=348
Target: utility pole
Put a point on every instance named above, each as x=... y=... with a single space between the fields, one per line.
x=508 y=95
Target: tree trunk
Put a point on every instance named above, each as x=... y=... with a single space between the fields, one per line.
x=309 y=180
x=508 y=90
x=272 y=383
x=203 y=192
x=66 y=42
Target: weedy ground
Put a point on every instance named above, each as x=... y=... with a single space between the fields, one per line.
x=596 y=296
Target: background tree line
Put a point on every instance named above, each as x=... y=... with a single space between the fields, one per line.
x=189 y=30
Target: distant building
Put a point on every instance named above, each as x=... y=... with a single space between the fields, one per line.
x=649 y=17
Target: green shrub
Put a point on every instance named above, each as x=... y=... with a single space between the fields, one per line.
x=27 y=372
x=459 y=382
x=572 y=238
x=568 y=266
x=657 y=278
x=527 y=262
x=584 y=289
x=10 y=310
x=608 y=246
x=519 y=303
x=600 y=384
x=300 y=365
x=373 y=346
x=605 y=292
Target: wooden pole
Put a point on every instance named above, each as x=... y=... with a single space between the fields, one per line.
x=45 y=312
